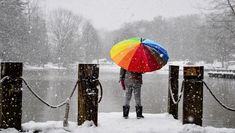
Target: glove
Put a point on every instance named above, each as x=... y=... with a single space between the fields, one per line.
x=122 y=82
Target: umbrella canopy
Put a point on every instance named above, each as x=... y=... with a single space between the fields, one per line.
x=139 y=55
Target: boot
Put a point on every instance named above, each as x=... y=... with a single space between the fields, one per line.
x=126 y=109
x=139 y=112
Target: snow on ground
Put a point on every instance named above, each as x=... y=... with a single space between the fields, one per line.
x=109 y=66
x=53 y=66
x=29 y=67
x=163 y=70
x=46 y=67
x=232 y=67
x=181 y=64
x=114 y=123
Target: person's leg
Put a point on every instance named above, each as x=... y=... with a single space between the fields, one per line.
x=128 y=95
x=126 y=106
x=139 y=108
x=137 y=94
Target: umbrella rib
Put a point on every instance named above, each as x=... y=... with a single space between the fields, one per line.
x=125 y=62
x=160 y=62
x=145 y=56
x=136 y=61
x=160 y=50
x=116 y=50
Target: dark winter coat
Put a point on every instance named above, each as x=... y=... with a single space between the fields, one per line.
x=130 y=77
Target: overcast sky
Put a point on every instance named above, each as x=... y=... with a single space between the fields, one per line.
x=111 y=14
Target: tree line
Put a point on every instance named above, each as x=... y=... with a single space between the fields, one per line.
x=62 y=37
x=28 y=35
x=198 y=37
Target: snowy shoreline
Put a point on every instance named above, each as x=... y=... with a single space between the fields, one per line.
x=114 y=123
x=113 y=67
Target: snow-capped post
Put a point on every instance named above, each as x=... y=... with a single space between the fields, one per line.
x=173 y=85
x=193 y=95
x=88 y=93
x=11 y=95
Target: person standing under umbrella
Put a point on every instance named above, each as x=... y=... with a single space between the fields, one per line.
x=131 y=82
x=137 y=56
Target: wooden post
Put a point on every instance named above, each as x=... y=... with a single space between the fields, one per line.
x=88 y=93
x=173 y=85
x=11 y=96
x=193 y=95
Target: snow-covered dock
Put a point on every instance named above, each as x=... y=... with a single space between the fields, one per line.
x=230 y=74
x=114 y=123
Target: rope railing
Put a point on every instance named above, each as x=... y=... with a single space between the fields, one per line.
x=37 y=96
x=179 y=95
x=11 y=82
x=46 y=103
x=222 y=104
x=65 y=102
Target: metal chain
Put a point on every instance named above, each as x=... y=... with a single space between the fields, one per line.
x=93 y=81
x=46 y=103
x=101 y=92
x=222 y=104
x=4 y=78
x=62 y=103
x=179 y=95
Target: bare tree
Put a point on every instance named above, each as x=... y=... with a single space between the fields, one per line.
x=222 y=19
x=181 y=36
x=91 y=42
x=13 y=30
x=38 y=49
x=63 y=27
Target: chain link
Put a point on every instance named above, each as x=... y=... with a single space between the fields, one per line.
x=222 y=104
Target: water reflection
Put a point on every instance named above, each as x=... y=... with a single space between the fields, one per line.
x=55 y=85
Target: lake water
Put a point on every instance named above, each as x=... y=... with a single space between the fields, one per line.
x=55 y=85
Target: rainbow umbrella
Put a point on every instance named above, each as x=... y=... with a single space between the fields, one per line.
x=139 y=55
